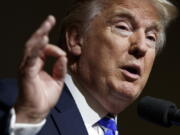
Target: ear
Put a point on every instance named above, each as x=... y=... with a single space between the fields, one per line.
x=74 y=41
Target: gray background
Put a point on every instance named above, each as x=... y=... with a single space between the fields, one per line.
x=20 y=18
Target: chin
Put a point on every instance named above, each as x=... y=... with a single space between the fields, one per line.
x=116 y=109
x=123 y=89
x=116 y=106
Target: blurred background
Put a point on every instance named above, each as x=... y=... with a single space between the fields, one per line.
x=19 y=19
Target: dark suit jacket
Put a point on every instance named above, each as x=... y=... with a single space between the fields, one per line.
x=64 y=118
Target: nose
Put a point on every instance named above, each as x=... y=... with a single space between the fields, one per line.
x=138 y=47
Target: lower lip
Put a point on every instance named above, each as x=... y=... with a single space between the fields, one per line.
x=129 y=76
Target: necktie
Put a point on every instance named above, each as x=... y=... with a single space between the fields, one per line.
x=109 y=126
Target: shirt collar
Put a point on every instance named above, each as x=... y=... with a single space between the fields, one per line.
x=89 y=116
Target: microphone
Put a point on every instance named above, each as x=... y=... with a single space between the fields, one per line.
x=159 y=111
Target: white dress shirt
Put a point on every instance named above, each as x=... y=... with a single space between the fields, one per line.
x=89 y=115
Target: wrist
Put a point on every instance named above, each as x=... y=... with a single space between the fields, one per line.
x=28 y=115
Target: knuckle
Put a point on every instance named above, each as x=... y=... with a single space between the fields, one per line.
x=37 y=33
x=65 y=60
x=22 y=71
x=25 y=70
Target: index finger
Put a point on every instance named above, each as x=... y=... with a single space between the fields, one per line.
x=46 y=26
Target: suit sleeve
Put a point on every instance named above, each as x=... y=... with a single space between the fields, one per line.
x=8 y=95
x=4 y=119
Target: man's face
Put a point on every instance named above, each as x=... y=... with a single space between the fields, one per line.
x=118 y=53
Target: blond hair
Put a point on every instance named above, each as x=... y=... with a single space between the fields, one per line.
x=83 y=11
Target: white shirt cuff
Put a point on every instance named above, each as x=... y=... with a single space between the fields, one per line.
x=23 y=128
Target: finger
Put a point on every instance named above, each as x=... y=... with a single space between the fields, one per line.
x=37 y=40
x=46 y=26
x=31 y=67
x=52 y=50
x=34 y=60
x=40 y=38
x=60 y=69
x=33 y=51
x=60 y=66
x=44 y=29
x=34 y=54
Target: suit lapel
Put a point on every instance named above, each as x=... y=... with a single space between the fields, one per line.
x=67 y=116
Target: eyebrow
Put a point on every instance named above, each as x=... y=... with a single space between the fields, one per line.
x=122 y=12
x=125 y=13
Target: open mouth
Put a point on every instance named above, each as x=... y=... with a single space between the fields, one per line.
x=132 y=69
x=131 y=72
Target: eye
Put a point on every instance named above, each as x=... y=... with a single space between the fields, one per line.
x=151 y=38
x=123 y=26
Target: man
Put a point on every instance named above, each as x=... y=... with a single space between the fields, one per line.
x=110 y=46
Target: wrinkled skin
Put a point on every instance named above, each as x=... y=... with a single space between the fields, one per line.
x=123 y=34
x=115 y=59
x=39 y=91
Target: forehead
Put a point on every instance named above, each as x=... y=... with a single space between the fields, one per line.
x=139 y=9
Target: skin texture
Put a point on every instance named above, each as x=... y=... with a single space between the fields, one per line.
x=39 y=91
x=124 y=34
x=127 y=35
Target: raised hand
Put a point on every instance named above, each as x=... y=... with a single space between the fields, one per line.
x=39 y=91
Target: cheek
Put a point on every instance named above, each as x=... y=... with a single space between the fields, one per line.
x=100 y=51
x=113 y=49
x=149 y=61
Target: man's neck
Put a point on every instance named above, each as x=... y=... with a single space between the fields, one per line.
x=85 y=103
